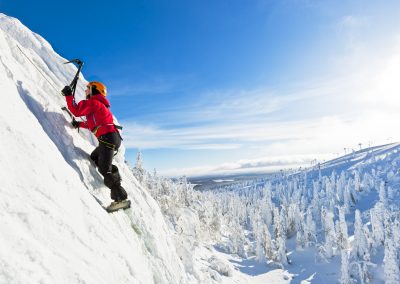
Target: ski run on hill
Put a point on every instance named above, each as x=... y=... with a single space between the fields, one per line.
x=335 y=222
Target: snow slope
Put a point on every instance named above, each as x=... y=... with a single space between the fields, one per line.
x=53 y=227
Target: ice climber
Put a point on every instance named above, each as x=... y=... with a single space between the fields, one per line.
x=99 y=120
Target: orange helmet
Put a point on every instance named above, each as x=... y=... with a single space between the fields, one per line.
x=98 y=86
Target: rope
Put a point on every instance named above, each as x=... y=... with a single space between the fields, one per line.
x=48 y=81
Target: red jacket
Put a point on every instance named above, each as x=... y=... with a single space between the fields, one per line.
x=99 y=118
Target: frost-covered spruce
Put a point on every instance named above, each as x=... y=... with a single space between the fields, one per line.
x=281 y=256
x=340 y=186
x=348 y=197
x=238 y=241
x=330 y=195
x=268 y=244
x=360 y=243
x=377 y=224
x=396 y=231
x=277 y=224
x=139 y=170
x=367 y=182
x=315 y=202
x=341 y=233
x=391 y=262
x=382 y=193
x=294 y=219
x=357 y=181
x=330 y=234
x=281 y=243
x=344 y=268
x=310 y=229
x=300 y=239
x=260 y=250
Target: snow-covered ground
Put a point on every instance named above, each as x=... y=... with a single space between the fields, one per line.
x=294 y=227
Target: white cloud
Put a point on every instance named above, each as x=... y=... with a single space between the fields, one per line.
x=340 y=112
x=233 y=119
x=261 y=165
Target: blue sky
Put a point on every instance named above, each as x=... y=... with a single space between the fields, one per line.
x=234 y=86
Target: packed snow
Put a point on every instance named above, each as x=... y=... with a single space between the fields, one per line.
x=335 y=222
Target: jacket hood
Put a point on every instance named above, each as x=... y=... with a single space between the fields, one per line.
x=101 y=99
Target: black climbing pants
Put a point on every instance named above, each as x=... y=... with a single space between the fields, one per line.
x=103 y=156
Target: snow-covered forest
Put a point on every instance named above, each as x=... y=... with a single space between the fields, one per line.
x=343 y=215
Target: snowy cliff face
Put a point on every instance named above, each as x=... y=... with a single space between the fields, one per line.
x=53 y=229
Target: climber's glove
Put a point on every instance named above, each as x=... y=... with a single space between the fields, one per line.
x=75 y=124
x=67 y=91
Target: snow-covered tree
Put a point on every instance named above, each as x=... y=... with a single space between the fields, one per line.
x=315 y=202
x=391 y=262
x=260 y=246
x=396 y=231
x=377 y=224
x=382 y=193
x=215 y=223
x=277 y=224
x=139 y=171
x=359 y=270
x=349 y=196
x=344 y=271
x=293 y=219
x=367 y=182
x=330 y=234
x=281 y=256
x=357 y=181
x=341 y=232
x=268 y=244
x=280 y=237
x=310 y=229
x=300 y=239
x=360 y=243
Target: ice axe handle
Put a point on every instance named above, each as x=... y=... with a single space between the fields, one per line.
x=76 y=78
x=67 y=111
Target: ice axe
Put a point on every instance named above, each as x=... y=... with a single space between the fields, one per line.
x=67 y=111
x=73 y=83
x=79 y=63
x=70 y=114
